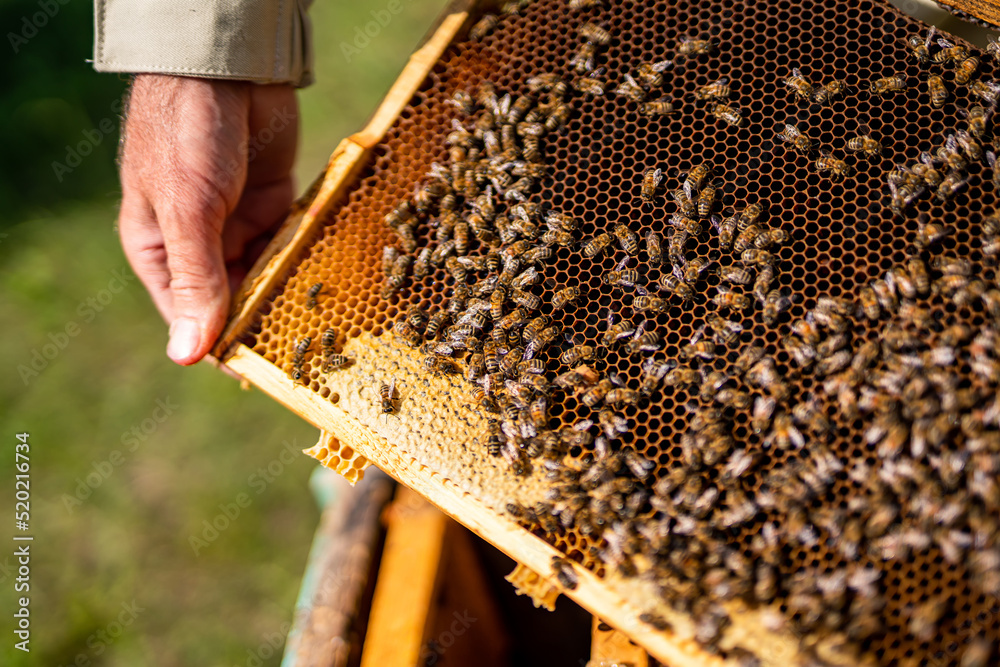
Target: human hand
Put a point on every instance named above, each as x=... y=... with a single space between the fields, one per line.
x=206 y=179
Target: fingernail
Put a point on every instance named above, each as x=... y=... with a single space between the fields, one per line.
x=184 y=338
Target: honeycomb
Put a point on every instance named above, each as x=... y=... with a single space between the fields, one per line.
x=844 y=237
x=338 y=457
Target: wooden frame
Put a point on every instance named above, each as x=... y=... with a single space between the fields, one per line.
x=349 y=158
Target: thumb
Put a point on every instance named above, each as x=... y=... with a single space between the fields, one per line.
x=199 y=288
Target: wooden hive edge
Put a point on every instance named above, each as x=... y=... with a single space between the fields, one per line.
x=350 y=156
x=509 y=537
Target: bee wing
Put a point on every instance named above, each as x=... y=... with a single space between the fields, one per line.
x=716 y=222
x=991 y=158
x=662 y=66
x=722 y=82
x=930 y=36
x=944 y=43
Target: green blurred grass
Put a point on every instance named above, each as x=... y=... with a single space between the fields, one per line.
x=129 y=540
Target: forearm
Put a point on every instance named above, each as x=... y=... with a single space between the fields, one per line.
x=264 y=41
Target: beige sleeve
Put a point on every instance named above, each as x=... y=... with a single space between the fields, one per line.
x=265 y=41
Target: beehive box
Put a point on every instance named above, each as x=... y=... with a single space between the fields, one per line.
x=831 y=503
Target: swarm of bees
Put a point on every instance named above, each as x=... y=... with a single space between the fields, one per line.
x=945 y=170
x=478 y=220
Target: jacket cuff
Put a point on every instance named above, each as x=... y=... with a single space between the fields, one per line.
x=264 y=41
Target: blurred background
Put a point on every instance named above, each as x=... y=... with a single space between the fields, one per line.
x=131 y=455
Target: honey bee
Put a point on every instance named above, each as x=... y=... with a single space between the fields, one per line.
x=988 y=91
x=706 y=200
x=951 y=184
x=887 y=85
x=407 y=334
x=675 y=286
x=734 y=398
x=596 y=394
x=726 y=113
x=565 y=575
x=654 y=373
x=690 y=46
x=765 y=375
x=334 y=361
x=313 y=292
x=557 y=237
x=937 y=89
x=725 y=298
x=650 y=183
x=387 y=396
x=688 y=225
x=825 y=94
x=590 y=85
x=694 y=180
x=949 y=51
x=686 y=206
x=703 y=349
x=965 y=69
x=436 y=322
x=648 y=341
x=784 y=433
x=402 y=214
x=718 y=90
x=921 y=47
x=925 y=617
x=651 y=74
x=735 y=275
x=622 y=279
x=583 y=59
x=621 y=395
x=727 y=230
x=799 y=84
x=980 y=650
x=660 y=107
x=654 y=249
x=565 y=296
x=770 y=238
x=595 y=33
x=746 y=238
x=763 y=411
x=864 y=143
x=724 y=331
x=577 y=379
x=628 y=239
x=978 y=118
x=631 y=89
x=799 y=141
x=758 y=257
x=645 y=304
x=680 y=377
x=837 y=168
x=775 y=303
x=576 y=354
x=541 y=341
x=596 y=245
